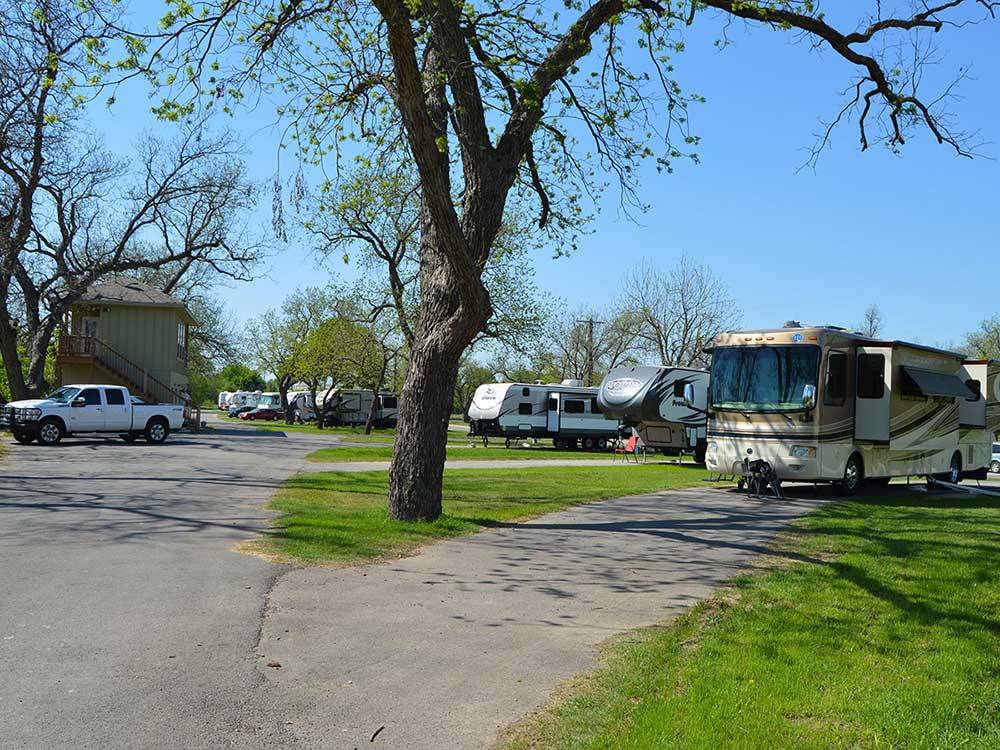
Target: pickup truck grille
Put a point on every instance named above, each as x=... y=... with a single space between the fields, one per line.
x=10 y=415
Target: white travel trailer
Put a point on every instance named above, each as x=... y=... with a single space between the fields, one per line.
x=652 y=400
x=351 y=406
x=270 y=399
x=567 y=412
x=244 y=398
x=223 y=400
x=820 y=404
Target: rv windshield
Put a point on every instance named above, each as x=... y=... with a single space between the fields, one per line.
x=762 y=378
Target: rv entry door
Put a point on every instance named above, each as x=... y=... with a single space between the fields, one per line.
x=552 y=420
x=873 y=393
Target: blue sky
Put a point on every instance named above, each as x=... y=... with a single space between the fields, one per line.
x=919 y=234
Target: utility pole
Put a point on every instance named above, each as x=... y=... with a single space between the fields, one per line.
x=590 y=348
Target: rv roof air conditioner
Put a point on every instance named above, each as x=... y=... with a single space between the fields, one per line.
x=792 y=324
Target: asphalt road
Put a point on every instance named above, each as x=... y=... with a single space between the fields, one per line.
x=127 y=621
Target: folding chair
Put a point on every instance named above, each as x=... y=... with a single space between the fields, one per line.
x=631 y=448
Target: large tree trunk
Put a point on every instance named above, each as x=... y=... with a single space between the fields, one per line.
x=12 y=362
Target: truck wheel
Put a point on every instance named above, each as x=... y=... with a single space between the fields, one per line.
x=156 y=431
x=995 y=467
x=51 y=431
x=24 y=438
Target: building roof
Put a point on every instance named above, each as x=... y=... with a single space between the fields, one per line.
x=125 y=290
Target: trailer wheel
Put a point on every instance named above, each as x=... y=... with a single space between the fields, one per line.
x=955 y=470
x=24 y=438
x=51 y=431
x=156 y=430
x=602 y=444
x=588 y=443
x=854 y=475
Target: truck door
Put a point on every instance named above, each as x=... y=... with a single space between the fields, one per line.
x=86 y=413
x=552 y=421
x=873 y=393
x=117 y=414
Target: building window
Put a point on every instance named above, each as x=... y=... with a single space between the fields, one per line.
x=573 y=406
x=525 y=391
x=181 y=335
x=524 y=408
x=835 y=390
x=114 y=397
x=871 y=375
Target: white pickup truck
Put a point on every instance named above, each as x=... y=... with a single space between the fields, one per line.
x=75 y=409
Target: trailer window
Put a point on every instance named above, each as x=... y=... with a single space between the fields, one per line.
x=114 y=397
x=525 y=391
x=973 y=386
x=835 y=389
x=390 y=402
x=524 y=408
x=679 y=388
x=871 y=375
x=573 y=406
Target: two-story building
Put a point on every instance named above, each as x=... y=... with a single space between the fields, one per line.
x=126 y=332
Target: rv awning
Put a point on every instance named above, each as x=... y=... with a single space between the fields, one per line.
x=931 y=383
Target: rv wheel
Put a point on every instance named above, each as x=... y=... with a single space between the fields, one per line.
x=588 y=443
x=854 y=475
x=955 y=470
x=602 y=444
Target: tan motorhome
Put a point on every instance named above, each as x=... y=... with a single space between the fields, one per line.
x=821 y=404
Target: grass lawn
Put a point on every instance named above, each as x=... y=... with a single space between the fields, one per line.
x=875 y=625
x=462 y=451
x=340 y=518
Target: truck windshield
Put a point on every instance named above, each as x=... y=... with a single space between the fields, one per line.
x=762 y=378
x=63 y=395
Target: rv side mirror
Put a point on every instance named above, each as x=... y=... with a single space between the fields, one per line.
x=689 y=394
x=808 y=397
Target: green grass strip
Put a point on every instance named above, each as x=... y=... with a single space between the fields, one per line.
x=340 y=518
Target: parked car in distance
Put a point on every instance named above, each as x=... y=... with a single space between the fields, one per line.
x=75 y=409
x=235 y=411
x=995 y=459
x=266 y=412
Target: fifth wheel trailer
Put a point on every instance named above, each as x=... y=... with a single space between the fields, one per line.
x=651 y=400
x=821 y=404
x=566 y=412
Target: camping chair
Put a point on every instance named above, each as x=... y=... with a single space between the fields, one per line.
x=631 y=448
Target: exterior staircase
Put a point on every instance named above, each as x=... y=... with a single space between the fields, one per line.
x=92 y=351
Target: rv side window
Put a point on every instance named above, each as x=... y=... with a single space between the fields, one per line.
x=525 y=391
x=871 y=375
x=974 y=387
x=524 y=408
x=573 y=407
x=679 y=389
x=594 y=406
x=835 y=391
x=389 y=402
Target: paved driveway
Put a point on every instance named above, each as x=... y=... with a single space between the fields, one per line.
x=128 y=622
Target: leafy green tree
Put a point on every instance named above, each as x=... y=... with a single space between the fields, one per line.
x=488 y=98
x=236 y=376
x=984 y=342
